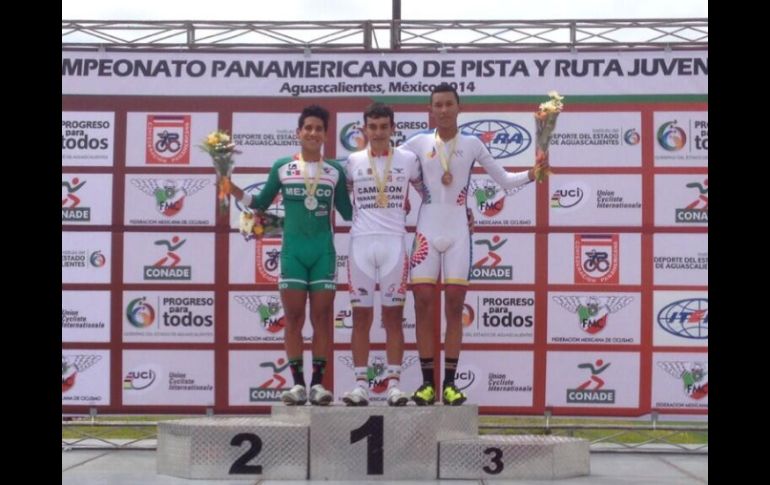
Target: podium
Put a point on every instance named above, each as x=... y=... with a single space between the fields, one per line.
x=514 y=456
x=361 y=443
x=223 y=447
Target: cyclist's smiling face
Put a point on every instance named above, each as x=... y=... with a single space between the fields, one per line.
x=444 y=109
x=378 y=131
x=312 y=134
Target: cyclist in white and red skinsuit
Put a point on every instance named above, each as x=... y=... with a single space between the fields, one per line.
x=443 y=234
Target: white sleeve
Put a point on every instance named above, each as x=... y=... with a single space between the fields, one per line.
x=349 y=175
x=411 y=145
x=506 y=180
x=415 y=173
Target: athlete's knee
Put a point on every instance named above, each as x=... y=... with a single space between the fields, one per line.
x=455 y=299
x=294 y=325
x=424 y=295
x=294 y=315
x=362 y=317
x=393 y=318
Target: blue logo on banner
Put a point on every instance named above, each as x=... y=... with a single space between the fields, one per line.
x=503 y=139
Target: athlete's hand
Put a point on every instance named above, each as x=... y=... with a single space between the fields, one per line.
x=542 y=168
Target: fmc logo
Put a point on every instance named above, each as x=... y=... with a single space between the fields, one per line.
x=169 y=194
x=691 y=374
x=489 y=197
x=72 y=365
x=592 y=311
x=268 y=308
x=502 y=138
x=686 y=318
x=671 y=137
x=376 y=372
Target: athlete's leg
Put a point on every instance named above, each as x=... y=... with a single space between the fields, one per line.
x=453 y=310
x=294 y=311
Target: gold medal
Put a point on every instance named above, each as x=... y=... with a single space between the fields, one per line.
x=380 y=182
x=446 y=179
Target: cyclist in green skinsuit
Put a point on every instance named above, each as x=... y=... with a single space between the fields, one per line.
x=311 y=187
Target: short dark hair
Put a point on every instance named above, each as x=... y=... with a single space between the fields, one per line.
x=318 y=112
x=379 y=110
x=444 y=88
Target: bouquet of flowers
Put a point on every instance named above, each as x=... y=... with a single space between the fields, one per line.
x=260 y=224
x=545 y=123
x=218 y=145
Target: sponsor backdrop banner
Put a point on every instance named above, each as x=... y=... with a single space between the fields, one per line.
x=86 y=199
x=588 y=293
x=85 y=316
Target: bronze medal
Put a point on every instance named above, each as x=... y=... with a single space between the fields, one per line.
x=446 y=179
x=382 y=200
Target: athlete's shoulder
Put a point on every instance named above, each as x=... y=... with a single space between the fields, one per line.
x=469 y=138
x=404 y=154
x=420 y=136
x=282 y=161
x=336 y=165
x=472 y=141
x=356 y=156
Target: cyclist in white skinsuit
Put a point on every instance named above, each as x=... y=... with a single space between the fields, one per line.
x=446 y=158
x=378 y=178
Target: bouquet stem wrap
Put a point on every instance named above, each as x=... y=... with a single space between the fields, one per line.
x=545 y=123
x=218 y=145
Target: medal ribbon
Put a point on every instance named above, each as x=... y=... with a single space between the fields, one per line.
x=310 y=186
x=380 y=182
x=440 y=149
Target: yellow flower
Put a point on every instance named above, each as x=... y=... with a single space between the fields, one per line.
x=258 y=230
x=555 y=95
x=212 y=139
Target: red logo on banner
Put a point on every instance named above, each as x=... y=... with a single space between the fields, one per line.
x=268 y=260
x=168 y=139
x=597 y=258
